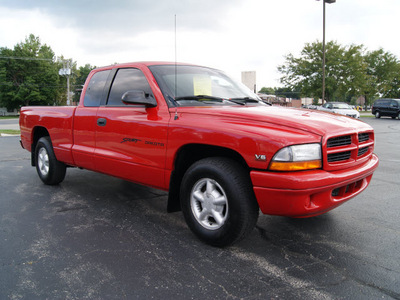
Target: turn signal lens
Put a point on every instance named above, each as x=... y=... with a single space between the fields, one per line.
x=295 y=166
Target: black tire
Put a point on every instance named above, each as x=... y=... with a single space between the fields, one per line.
x=377 y=114
x=49 y=169
x=218 y=201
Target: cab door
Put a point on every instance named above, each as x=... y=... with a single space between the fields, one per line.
x=84 y=126
x=131 y=140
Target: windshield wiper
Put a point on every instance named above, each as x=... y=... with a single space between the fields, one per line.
x=199 y=98
x=243 y=100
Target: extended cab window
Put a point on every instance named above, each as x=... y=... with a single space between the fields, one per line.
x=127 y=80
x=94 y=91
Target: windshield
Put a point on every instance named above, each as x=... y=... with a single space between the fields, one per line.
x=196 y=86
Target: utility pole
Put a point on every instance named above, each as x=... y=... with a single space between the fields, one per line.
x=66 y=71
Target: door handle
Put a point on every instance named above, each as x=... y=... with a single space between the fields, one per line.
x=101 y=122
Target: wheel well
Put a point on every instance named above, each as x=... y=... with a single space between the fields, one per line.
x=38 y=132
x=186 y=157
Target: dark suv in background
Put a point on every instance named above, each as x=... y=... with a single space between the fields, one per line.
x=386 y=107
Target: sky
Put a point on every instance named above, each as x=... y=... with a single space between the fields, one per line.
x=230 y=35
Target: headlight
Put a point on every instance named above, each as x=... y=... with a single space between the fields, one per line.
x=297 y=158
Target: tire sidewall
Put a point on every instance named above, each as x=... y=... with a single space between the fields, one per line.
x=56 y=171
x=236 y=192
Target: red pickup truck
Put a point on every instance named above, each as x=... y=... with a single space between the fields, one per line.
x=222 y=154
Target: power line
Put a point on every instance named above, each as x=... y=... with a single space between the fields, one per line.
x=23 y=84
x=25 y=58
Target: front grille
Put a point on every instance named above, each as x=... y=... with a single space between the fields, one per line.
x=339 y=141
x=345 y=150
x=362 y=151
x=341 y=156
x=363 y=137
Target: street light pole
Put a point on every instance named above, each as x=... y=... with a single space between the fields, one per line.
x=323 y=53
x=323 y=47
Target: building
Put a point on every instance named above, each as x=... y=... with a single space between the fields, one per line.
x=249 y=80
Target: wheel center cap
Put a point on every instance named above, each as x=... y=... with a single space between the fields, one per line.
x=209 y=200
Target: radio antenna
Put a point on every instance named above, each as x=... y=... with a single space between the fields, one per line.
x=176 y=71
x=176 y=75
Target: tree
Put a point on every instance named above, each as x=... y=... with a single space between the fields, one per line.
x=28 y=75
x=287 y=93
x=383 y=75
x=344 y=71
x=267 y=90
x=280 y=92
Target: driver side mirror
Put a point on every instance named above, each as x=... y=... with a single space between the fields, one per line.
x=138 y=97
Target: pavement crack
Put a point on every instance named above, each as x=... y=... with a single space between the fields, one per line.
x=387 y=292
x=64 y=209
x=327 y=263
x=14 y=159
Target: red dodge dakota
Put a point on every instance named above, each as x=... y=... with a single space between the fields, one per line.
x=221 y=152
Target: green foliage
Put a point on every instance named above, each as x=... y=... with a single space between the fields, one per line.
x=267 y=90
x=349 y=72
x=383 y=74
x=280 y=92
x=29 y=75
x=287 y=92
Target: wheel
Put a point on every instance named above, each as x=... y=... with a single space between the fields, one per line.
x=49 y=169
x=377 y=114
x=218 y=201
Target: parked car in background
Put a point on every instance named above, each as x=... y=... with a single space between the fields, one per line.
x=310 y=106
x=386 y=107
x=340 y=108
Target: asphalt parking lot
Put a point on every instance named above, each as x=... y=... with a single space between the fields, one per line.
x=98 y=237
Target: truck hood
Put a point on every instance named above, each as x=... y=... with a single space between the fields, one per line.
x=316 y=122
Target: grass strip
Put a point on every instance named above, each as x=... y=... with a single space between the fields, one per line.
x=10 y=131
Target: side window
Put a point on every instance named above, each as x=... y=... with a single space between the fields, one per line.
x=94 y=91
x=394 y=104
x=126 y=80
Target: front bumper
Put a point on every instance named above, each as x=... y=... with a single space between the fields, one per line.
x=310 y=193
